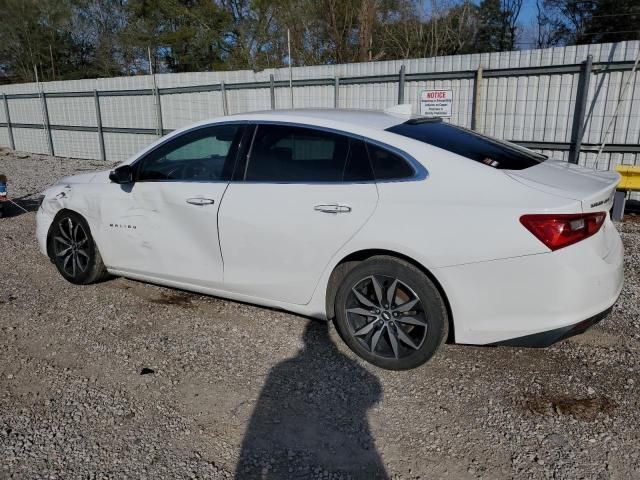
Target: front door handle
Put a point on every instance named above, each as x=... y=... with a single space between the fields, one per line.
x=200 y=201
x=332 y=208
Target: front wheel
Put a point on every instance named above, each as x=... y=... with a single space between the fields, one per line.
x=74 y=251
x=390 y=313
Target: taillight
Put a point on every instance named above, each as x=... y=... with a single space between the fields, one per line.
x=563 y=229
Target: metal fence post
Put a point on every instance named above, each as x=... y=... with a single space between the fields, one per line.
x=96 y=97
x=336 y=93
x=156 y=97
x=223 y=91
x=577 y=130
x=475 y=107
x=272 y=91
x=7 y=115
x=47 y=125
x=401 y=86
x=159 y=113
x=619 y=203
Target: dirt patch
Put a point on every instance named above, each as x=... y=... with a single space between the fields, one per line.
x=597 y=338
x=181 y=299
x=563 y=405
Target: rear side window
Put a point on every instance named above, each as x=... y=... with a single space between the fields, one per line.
x=388 y=165
x=469 y=144
x=282 y=153
x=358 y=167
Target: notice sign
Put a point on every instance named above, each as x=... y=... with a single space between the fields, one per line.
x=436 y=103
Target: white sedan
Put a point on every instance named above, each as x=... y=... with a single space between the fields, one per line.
x=406 y=231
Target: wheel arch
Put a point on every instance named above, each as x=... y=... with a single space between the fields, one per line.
x=344 y=266
x=60 y=212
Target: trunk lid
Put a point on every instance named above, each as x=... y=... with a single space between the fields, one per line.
x=593 y=189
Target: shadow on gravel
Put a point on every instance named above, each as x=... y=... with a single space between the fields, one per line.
x=311 y=417
x=18 y=206
x=632 y=207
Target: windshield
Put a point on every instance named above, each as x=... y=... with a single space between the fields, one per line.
x=467 y=143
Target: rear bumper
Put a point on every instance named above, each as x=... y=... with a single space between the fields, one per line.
x=545 y=339
x=536 y=298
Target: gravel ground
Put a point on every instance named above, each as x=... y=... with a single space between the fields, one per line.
x=236 y=390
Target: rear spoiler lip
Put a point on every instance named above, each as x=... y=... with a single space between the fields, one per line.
x=541 y=187
x=600 y=199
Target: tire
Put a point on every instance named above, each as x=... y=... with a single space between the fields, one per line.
x=73 y=250
x=397 y=335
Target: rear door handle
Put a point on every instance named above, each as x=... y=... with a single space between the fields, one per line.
x=332 y=208
x=200 y=201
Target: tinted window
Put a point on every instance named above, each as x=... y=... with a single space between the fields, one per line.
x=490 y=151
x=387 y=165
x=295 y=154
x=358 y=167
x=198 y=155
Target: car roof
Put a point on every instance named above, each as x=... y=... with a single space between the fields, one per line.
x=370 y=119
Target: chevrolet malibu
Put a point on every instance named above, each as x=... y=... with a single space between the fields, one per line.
x=405 y=231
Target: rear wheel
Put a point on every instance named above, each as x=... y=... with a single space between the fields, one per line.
x=390 y=313
x=74 y=251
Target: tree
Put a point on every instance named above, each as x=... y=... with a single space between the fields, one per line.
x=610 y=21
x=447 y=28
x=498 y=21
x=184 y=35
x=33 y=31
x=567 y=22
x=95 y=38
x=366 y=24
x=96 y=27
x=550 y=30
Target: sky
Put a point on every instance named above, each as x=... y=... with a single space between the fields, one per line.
x=527 y=20
x=528 y=13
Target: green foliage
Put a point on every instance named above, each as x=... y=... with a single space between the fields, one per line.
x=28 y=28
x=587 y=21
x=67 y=39
x=497 y=25
x=184 y=35
x=406 y=34
x=610 y=21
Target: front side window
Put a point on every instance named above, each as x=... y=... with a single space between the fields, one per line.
x=282 y=153
x=204 y=154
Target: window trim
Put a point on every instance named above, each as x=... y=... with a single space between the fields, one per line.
x=246 y=143
x=420 y=172
x=137 y=163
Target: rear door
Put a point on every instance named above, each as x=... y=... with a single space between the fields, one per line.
x=302 y=194
x=165 y=224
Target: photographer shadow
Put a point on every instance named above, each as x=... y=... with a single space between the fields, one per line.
x=311 y=417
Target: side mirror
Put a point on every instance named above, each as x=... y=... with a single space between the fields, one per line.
x=122 y=175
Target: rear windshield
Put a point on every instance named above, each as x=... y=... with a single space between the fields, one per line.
x=469 y=144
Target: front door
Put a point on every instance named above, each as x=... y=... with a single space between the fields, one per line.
x=303 y=194
x=165 y=224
